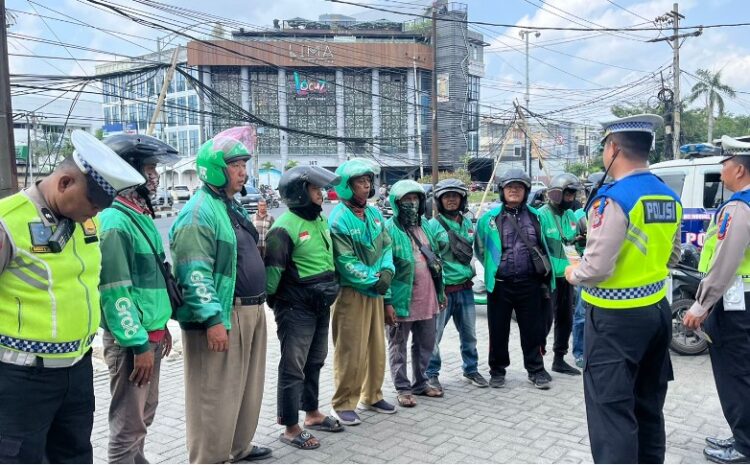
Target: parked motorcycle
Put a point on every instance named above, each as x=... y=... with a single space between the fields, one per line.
x=271 y=200
x=685 y=281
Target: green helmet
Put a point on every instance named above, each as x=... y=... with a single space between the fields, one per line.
x=227 y=146
x=403 y=187
x=352 y=169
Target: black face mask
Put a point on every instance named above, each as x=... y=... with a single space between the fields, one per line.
x=309 y=212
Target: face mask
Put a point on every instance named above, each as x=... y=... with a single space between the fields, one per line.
x=408 y=213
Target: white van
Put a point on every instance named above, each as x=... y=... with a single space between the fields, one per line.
x=697 y=182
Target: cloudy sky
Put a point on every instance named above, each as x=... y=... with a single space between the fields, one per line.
x=574 y=75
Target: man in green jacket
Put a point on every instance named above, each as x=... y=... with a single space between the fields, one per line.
x=301 y=286
x=223 y=320
x=364 y=264
x=560 y=232
x=417 y=293
x=512 y=280
x=134 y=298
x=451 y=196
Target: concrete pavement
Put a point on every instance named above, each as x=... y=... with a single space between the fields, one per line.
x=469 y=425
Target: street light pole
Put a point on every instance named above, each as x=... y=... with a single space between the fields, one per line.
x=524 y=34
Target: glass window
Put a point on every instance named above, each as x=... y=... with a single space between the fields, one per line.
x=714 y=191
x=264 y=102
x=393 y=120
x=193 y=109
x=194 y=136
x=675 y=181
x=357 y=105
x=171 y=111
x=107 y=115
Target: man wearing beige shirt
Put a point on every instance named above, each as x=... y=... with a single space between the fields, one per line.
x=633 y=234
x=721 y=302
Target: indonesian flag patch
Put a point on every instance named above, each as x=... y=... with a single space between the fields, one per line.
x=304 y=235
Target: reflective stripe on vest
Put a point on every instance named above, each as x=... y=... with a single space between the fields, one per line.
x=49 y=302
x=641 y=267
x=712 y=240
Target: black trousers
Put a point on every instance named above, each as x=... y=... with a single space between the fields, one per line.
x=46 y=413
x=525 y=297
x=560 y=312
x=625 y=382
x=303 y=334
x=730 y=354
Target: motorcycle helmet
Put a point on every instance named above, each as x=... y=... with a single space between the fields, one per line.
x=559 y=185
x=293 y=183
x=451 y=185
x=407 y=186
x=226 y=147
x=352 y=169
x=514 y=175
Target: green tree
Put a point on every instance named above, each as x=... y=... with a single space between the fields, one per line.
x=268 y=166
x=712 y=90
x=630 y=109
x=290 y=164
x=461 y=174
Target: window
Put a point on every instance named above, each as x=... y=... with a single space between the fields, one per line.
x=714 y=191
x=311 y=106
x=194 y=133
x=519 y=151
x=393 y=111
x=171 y=111
x=193 y=109
x=473 y=85
x=264 y=98
x=675 y=181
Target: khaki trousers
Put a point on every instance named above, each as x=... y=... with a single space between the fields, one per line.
x=224 y=390
x=132 y=408
x=358 y=331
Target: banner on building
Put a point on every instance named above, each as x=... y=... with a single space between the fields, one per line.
x=443 y=87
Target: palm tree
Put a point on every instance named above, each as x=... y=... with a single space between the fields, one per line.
x=291 y=164
x=711 y=88
x=268 y=166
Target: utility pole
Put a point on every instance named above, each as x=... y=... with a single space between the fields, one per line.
x=8 y=173
x=418 y=109
x=674 y=17
x=163 y=93
x=524 y=34
x=433 y=101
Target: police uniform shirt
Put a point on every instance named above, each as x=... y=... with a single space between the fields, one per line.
x=727 y=257
x=606 y=232
x=45 y=214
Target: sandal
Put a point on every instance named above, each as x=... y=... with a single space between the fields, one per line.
x=328 y=424
x=300 y=441
x=430 y=392
x=406 y=400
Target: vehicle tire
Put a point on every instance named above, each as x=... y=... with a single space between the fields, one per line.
x=684 y=342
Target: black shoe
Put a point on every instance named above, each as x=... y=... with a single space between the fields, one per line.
x=541 y=380
x=561 y=366
x=728 y=455
x=257 y=453
x=476 y=379
x=497 y=381
x=719 y=443
x=435 y=382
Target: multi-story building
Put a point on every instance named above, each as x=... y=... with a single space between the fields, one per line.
x=364 y=84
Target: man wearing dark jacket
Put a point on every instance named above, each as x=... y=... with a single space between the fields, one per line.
x=301 y=285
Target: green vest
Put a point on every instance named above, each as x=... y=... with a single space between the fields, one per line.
x=654 y=213
x=49 y=302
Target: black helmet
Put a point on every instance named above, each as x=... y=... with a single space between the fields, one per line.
x=594 y=178
x=514 y=175
x=451 y=185
x=139 y=150
x=293 y=183
x=559 y=185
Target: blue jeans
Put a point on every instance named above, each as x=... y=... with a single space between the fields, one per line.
x=579 y=318
x=461 y=309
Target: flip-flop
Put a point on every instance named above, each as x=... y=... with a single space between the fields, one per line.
x=300 y=440
x=328 y=424
x=406 y=400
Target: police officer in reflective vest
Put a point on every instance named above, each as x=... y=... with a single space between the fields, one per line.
x=633 y=235
x=49 y=305
x=722 y=301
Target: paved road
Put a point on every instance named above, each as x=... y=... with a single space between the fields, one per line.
x=514 y=424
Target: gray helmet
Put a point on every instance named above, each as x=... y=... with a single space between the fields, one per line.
x=451 y=185
x=139 y=150
x=293 y=183
x=594 y=178
x=514 y=175
x=566 y=181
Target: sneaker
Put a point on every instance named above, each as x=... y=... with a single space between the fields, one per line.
x=435 y=382
x=559 y=365
x=497 y=381
x=346 y=417
x=380 y=406
x=541 y=380
x=579 y=362
x=476 y=379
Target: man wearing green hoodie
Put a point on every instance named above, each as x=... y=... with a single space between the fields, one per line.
x=417 y=293
x=364 y=264
x=560 y=232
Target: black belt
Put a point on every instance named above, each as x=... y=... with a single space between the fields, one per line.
x=256 y=300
